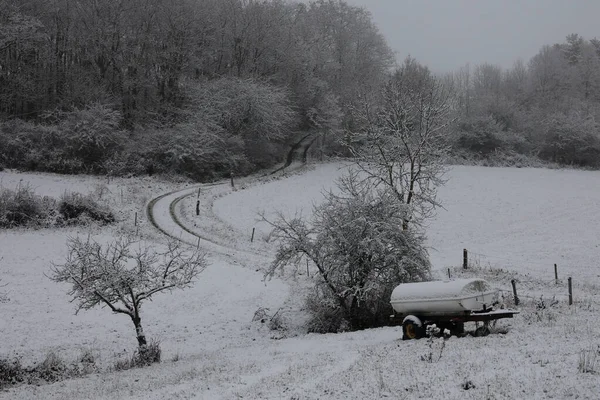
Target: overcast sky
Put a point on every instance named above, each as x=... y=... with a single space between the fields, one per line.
x=446 y=34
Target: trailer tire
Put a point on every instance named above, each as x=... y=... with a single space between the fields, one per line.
x=482 y=331
x=412 y=328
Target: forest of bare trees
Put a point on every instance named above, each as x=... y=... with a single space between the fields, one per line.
x=206 y=87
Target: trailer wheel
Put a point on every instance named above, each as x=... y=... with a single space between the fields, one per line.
x=412 y=328
x=483 y=330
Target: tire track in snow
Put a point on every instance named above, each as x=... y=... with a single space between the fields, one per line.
x=162 y=214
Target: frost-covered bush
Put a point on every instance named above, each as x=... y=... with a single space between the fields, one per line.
x=52 y=369
x=360 y=250
x=142 y=357
x=11 y=372
x=22 y=207
x=75 y=207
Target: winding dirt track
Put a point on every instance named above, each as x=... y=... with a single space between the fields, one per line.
x=166 y=213
x=170 y=224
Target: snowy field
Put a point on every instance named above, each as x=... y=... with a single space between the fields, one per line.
x=520 y=220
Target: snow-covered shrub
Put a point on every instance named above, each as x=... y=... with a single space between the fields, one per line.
x=86 y=363
x=11 y=372
x=360 y=250
x=75 y=206
x=142 y=357
x=52 y=369
x=275 y=322
x=22 y=207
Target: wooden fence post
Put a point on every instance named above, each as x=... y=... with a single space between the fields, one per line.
x=514 y=287
x=449 y=273
x=135 y=219
x=465 y=259
x=555 y=274
x=197 y=207
x=231 y=176
x=570 y=291
x=252 y=238
x=307 y=273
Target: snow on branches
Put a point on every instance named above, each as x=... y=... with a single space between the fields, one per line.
x=121 y=276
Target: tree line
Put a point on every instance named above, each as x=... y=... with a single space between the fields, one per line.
x=194 y=86
x=207 y=87
x=547 y=108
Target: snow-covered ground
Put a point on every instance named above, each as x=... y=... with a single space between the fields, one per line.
x=522 y=220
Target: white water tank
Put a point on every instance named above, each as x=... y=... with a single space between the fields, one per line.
x=443 y=297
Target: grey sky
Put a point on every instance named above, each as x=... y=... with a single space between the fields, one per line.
x=446 y=34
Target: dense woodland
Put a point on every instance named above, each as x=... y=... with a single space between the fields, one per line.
x=207 y=87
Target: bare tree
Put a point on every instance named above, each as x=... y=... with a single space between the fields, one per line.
x=117 y=277
x=403 y=141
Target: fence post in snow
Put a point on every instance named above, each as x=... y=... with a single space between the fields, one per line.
x=570 y=291
x=307 y=273
x=197 y=207
x=135 y=219
x=465 y=259
x=231 y=176
x=514 y=286
x=449 y=273
x=252 y=238
x=555 y=274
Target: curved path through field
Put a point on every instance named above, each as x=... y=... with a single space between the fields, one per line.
x=161 y=212
x=174 y=214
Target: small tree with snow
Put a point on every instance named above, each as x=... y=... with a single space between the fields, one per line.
x=402 y=137
x=122 y=278
x=356 y=242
